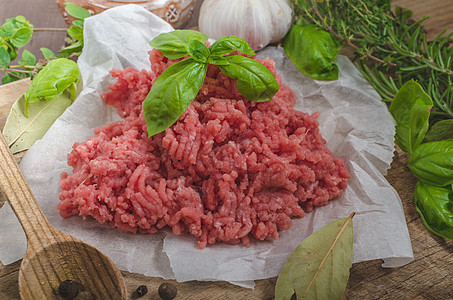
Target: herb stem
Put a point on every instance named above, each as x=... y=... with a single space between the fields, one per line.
x=49 y=29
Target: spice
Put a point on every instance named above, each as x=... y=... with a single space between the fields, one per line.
x=167 y=291
x=69 y=289
x=140 y=291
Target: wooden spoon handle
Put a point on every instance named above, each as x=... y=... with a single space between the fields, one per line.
x=20 y=197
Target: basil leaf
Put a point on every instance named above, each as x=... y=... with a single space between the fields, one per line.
x=218 y=60
x=4 y=57
x=410 y=108
x=7 y=29
x=433 y=162
x=313 y=51
x=435 y=206
x=57 y=76
x=21 y=37
x=172 y=93
x=47 y=53
x=254 y=81
x=319 y=267
x=28 y=59
x=229 y=44
x=76 y=11
x=442 y=130
x=174 y=44
x=20 y=19
x=198 y=51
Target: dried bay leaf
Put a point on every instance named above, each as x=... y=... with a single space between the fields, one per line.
x=319 y=267
x=21 y=132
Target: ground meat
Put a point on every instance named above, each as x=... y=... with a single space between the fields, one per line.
x=229 y=169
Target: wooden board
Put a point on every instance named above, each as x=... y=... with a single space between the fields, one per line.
x=430 y=276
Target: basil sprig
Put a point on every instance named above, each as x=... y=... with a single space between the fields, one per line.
x=430 y=161
x=179 y=84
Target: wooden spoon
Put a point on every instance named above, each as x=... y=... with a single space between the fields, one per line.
x=52 y=256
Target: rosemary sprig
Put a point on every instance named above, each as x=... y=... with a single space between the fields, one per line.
x=389 y=47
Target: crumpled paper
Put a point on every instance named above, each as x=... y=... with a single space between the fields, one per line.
x=353 y=120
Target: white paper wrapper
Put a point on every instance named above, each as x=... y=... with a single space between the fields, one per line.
x=355 y=123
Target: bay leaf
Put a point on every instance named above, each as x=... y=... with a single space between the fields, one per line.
x=21 y=132
x=319 y=267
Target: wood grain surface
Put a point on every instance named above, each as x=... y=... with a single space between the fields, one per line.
x=429 y=276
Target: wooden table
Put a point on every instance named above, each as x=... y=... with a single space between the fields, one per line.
x=430 y=276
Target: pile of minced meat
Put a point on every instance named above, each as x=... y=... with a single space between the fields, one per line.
x=228 y=170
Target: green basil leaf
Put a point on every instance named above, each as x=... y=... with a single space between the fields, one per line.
x=28 y=59
x=76 y=11
x=254 y=81
x=78 y=23
x=411 y=108
x=229 y=44
x=313 y=51
x=21 y=132
x=47 y=53
x=174 y=44
x=435 y=206
x=218 y=60
x=57 y=76
x=75 y=32
x=433 y=162
x=5 y=59
x=172 y=93
x=319 y=267
x=442 y=130
x=21 y=37
x=198 y=51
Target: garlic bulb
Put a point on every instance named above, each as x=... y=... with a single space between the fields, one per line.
x=259 y=22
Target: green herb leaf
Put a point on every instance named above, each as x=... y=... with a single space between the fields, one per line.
x=229 y=44
x=254 y=81
x=4 y=57
x=78 y=23
x=21 y=37
x=218 y=60
x=21 y=132
x=313 y=51
x=76 y=11
x=28 y=59
x=435 y=207
x=48 y=54
x=57 y=75
x=9 y=78
x=410 y=108
x=442 y=130
x=198 y=51
x=174 y=44
x=172 y=93
x=20 y=19
x=433 y=162
x=74 y=48
x=319 y=267
x=7 y=29
x=75 y=32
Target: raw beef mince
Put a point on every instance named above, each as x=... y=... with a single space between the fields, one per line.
x=229 y=169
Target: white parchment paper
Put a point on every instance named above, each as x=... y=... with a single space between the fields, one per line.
x=355 y=123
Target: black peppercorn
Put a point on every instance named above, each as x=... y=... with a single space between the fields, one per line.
x=69 y=289
x=167 y=291
x=140 y=291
